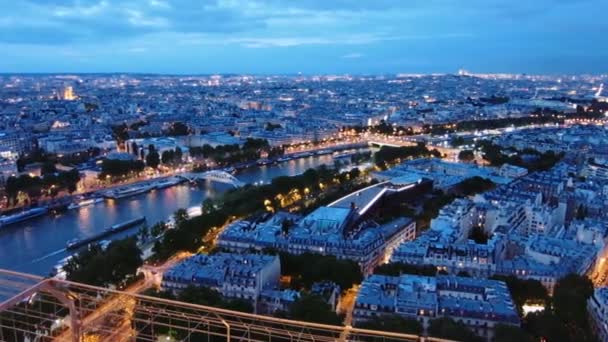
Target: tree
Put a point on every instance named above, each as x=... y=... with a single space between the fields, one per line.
x=306 y=269
x=392 y=323
x=168 y=157
x=285 y=225
x=144 y=232
x=157 y=229
x=120 y=133
x=48 y=167
x=466 y=155
x=135 y=149
x=178 y=128
x=448 y=328
x=510 y=333
x=474 y=185
x=152 y=159
x=178 y=155
x=479 y=235
x=567 y=319
x=570 y=304
x=524 y=291
x=545 y=325
x=120 y=168
x=313 y=308
x=457 y=141
x=207 y=206
x=100 y=267
x=388 y=154
x=180 y=216
x=581 y=212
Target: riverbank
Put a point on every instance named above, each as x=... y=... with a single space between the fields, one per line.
x=35 y=246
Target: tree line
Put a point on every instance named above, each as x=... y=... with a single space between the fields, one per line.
x=528 y=158
x=388 y=155
x=34 y=187
x=251 y=149
x=248 y=200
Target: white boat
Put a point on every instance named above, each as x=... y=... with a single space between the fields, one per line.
x=128 y=192
x=85 y=203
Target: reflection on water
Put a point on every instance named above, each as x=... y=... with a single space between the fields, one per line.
x=43 y=239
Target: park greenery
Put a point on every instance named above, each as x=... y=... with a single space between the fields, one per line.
x=430 y=208
x=525 y=291
x=178 y=128
x=313 y=308
x=252 y=149
x=479 y=235
x=152 y=158
x=472 y=186
x=389 y=155
x=116 y=168
x=172 y=157
x=438 y=199
x=306 y=269
x=395 y=269
x=308 y=190
x=450 y=329
x=47 y=161
x=566 y=319
x=112 y=266
x=392 y=323
x=466 y=155
x=510 y=333
x=538 y=118
x=528 y=158
x=34 y=187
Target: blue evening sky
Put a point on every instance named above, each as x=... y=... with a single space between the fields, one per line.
x=308 y=36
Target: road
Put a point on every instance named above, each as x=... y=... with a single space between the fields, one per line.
x=123 y=302
x=599 y=274
x=346 y=307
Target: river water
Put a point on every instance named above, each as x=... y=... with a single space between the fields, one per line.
x=36 y=245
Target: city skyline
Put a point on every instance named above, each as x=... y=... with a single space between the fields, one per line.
x=312 y=37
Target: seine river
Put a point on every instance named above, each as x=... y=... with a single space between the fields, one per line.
x=36 y=245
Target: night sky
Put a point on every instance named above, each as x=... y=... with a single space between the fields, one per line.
x=308 y=36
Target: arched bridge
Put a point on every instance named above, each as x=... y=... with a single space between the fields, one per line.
x=215 y=176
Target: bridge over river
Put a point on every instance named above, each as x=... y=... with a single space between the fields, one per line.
x=213 y=175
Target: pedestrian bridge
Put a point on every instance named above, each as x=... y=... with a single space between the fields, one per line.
x=215 y=176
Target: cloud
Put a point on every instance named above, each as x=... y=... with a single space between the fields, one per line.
x=304 y=30
x=63 y=22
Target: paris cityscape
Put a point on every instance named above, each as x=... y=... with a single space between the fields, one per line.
x=312 y=190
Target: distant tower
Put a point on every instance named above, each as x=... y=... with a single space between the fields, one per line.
x=68 y=94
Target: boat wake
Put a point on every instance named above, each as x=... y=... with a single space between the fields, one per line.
x=48 y=255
